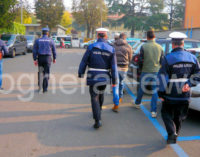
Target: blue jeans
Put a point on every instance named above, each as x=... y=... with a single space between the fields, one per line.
x=144 y=80
x=1 y=71
x=122 y=77
x=118 y=90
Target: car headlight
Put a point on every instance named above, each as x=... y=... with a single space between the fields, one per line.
x=10 y=46
x=30 y=44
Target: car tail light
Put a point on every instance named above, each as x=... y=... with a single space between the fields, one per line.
x=136 y=59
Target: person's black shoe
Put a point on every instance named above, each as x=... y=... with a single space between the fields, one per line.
x=97 y=124
x=171 y=139
x=45 y=91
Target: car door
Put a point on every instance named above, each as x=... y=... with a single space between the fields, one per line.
x=17 y=44
x=23 y=43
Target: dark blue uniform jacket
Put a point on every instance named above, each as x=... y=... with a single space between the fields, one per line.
x=44 y=46
x=100 y=58
x=3 y=48
x=178 y=68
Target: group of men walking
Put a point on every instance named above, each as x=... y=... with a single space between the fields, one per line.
x=170 y=76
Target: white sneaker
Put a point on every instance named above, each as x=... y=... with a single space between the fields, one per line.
x=137 y=106
x=153 y=114
x=40 y=92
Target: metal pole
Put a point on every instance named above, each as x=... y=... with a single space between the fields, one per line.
x=171 y=15
x=187 y=27
x=101 y=16
x=21 y=12
x=191 y=32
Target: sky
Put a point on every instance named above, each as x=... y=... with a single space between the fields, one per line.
x=67 y=3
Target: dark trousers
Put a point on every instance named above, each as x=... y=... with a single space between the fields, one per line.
x=44 y=64
x=97 y=99
x=173 y=115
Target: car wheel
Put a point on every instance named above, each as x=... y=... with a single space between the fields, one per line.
x=67 y=46
x=13 y=53
x=25 y=51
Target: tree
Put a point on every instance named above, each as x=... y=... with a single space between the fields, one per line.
x=139 y=14
x=49 y=12
x=26 y=16
x=135 y=13
x=7 y=15
x=179 y=12
x=156 y=18
x=67 y=21
x=90 y=13
x=176 y=9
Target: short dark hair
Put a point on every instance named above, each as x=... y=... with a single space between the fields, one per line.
x=178 y=42
x=150 y=34
x=44 y=32
x=122 y=35
x=101 y=35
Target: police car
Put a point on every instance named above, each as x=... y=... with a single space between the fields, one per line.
x=66 y=39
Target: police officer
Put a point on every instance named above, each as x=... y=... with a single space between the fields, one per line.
x=43 y=49
x=180 y=70
x=101 y=62
x=3 y=50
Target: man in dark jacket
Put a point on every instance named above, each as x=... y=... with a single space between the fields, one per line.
x=180 y=70
x=100 y=59
x=3 y=50
x=124 y=55
x=42 y=51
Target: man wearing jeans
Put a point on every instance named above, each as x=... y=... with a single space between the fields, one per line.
x=150 y=58
x=3 y=50
x=124 y=55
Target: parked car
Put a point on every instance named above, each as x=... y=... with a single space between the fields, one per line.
x=195 y=98
x=86 y=44
x=67 y=40
x=132 y=41
x=196 y=52
x=166 y=44
x=30 y=42
x=17 y=44
x=195 y=91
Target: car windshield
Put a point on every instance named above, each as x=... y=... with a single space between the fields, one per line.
x=137 y=51
x=64 y=38
x=9 y=39
x=29 y=38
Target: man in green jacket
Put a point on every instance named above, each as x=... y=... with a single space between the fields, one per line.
x=150 y=59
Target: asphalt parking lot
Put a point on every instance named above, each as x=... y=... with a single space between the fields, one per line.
x=59 y=123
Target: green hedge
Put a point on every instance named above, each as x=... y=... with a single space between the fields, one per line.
x=16 y=28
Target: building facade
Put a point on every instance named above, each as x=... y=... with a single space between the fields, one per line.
x=35 y=29
x=192 y=12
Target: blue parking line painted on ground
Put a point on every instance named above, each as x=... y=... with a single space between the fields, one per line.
x=179 y=151
x=189 y=138
x=156 y=124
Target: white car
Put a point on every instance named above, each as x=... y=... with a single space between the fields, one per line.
x=195 y=99
x=195 y=91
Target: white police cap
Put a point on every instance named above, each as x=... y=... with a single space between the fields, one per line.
x=102 y=30
x=178 y=35
x=45 y=29
x=117 y=34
